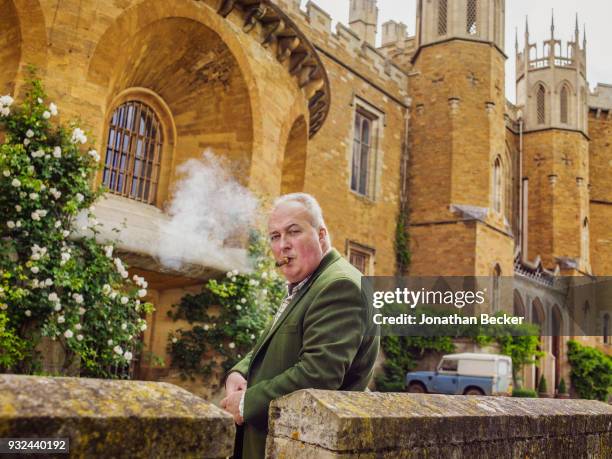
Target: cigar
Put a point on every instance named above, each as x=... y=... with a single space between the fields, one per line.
x=283 y=262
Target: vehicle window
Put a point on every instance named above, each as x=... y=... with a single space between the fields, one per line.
x=448 y=365
x=503 y=368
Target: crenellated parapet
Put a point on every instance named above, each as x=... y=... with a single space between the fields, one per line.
x=359 y=53
x=600 y=100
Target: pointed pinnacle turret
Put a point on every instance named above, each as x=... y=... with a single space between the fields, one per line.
x=552 y=25
x=584 y=40
x=526 y=30
x=576 y=29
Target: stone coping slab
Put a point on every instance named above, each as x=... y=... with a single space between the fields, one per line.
x=352 y=424
x=112 y=418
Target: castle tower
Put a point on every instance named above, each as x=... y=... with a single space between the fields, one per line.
x=552 y=93
x=461 y=169
x=363 y=18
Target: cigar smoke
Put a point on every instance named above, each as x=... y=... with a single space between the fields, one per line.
x=208 y=206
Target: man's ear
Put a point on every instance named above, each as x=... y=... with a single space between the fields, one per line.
x=323 y=235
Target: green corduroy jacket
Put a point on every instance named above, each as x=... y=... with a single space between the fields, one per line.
x=323 y=340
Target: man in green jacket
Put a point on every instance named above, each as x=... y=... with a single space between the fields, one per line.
x=322 y=336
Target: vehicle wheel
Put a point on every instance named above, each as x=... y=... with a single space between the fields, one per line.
x=474 y=391
x=416 y=388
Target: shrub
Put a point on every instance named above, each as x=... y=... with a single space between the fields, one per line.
x=525 y=393
x=591 y=372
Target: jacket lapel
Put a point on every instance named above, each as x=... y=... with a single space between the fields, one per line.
x=327 y=260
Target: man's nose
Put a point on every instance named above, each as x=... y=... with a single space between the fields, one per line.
x=285 y=244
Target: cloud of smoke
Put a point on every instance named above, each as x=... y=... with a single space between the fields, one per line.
x=208 y=207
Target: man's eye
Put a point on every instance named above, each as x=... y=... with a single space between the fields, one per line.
x=294 y=232
x=274 y=238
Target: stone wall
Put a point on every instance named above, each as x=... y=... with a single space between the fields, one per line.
x=105 y=418
x=323 y=424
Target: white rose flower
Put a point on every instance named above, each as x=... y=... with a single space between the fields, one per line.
x=68 y=334
x=243 y=300
x=128 y=356
x=18 y=223
x=264 y=275
x=57 y=307
x=65 y=233
x=18 y=208
x=81 y=311
x=53 y=109
x=57 y=152
x=124 y=300
x=3 y=306
x=78 y=326
x=53 y=297
x=16 y=183
x=113 y=295
x=35 y=216
x=78 y=136
x=33 y=196
x=206 y=327
x=28 y=313
x=26 y=142
x=108 y=251
x=29 y=133
x=6 y=173
x=238 y=307
x=10 y=224
x=34 y=269
x=231 y=345
x=65 y=258
x=233 y=279
x=57 y=223
x=123 y=326
x=110 y=342
x=174 y=340
x=118 y=350
x=35 y=256
x=79 y=197
x=106 y=289
x=40 y=101
x=142 y=293
x=78 y=298
x=235 y=272
x=46 y=115
x=61 y=319
x=80 y=337
x=143 y=327
x=6 y=100
x=94 y=154
x=229 y=274
x=48 y=282
x=252 y=336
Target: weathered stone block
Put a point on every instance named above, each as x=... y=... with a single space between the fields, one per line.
x=316 y=424
x=106 y=418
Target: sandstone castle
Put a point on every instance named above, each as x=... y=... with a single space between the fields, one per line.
x=420 y=123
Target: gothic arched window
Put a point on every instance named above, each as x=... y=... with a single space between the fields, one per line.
x=541 y=104
x=133 y=152
x=497 y=185
x=496 y=291
x=564 y=104
x=442 y=17
x=472 y=17
x=585 y=240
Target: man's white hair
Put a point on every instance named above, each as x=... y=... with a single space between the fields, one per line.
x=312 y=208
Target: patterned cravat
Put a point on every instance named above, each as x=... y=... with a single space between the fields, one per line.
x=292 y=290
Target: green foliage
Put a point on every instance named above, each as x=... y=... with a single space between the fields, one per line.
x=54 y=282
x=591 y=373
x=542 y=385
x=524 y=393
x=401 y=356
x=12 y=348
x=402 y=243
x=561 y=388
x=227 y=317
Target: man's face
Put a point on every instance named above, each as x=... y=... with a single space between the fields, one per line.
x=292 y=236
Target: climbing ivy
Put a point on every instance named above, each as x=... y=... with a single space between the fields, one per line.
x=591 y=372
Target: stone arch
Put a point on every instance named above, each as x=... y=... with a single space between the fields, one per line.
x=142 y=43
x=557 y=325
x=518 y=306
x=496 y=290
x=23 y=42
x=538 y=317
x=566 y=95
x=294 y=160
x=540 y=92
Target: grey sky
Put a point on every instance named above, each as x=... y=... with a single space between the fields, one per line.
x=596 y=14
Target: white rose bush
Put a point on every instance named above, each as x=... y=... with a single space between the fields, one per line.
x=227 y=317
x=54 y=283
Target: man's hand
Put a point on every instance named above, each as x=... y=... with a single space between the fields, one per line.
x=234 y=383
x=231 y=404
